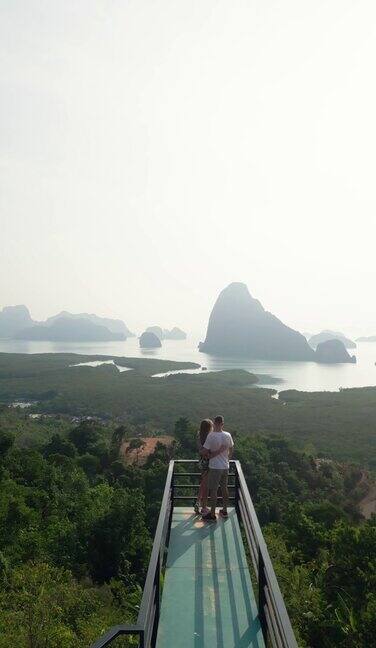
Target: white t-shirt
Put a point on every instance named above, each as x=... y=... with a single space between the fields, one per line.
x=213 y=442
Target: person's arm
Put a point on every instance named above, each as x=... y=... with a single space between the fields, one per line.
x=204 y=452
x=231 y=448
x=215 y=453
x=209 y=453
x=200 y=448
x=206 y=449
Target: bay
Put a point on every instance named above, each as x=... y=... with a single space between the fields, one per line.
x=306 y=376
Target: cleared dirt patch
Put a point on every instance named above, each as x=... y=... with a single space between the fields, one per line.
x=136 y=451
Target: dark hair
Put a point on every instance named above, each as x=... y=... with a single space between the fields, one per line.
x=205 y=427
x=219 y=420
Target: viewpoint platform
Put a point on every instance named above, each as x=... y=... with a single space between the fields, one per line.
x=207 y=597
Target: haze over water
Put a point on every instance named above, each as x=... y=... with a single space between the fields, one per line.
x=153 y=152
x=305 y=376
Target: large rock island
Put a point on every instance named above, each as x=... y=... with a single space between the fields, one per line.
x=239 y=325
x=333 y=352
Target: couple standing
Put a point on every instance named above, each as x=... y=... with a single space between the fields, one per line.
x=215 y=447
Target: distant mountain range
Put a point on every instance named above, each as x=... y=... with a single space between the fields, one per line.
x=113 y=325
x=367 y=338
x=326 y=335
x=240 y=326
x=16 y=323
x=68 y=329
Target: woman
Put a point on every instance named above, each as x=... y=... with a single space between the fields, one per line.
x=206 y=426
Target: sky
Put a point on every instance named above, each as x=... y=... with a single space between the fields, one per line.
x=151 y=152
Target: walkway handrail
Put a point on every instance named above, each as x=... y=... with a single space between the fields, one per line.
x=116 y=631
x=274 y=619
x=148 y=616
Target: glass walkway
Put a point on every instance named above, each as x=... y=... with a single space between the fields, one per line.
x=207 y=597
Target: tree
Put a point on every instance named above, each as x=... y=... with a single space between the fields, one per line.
x=120 y=535
x=6 y=442
x=59 y=445
x=84 y=436
x=89 y=464
x=184 y=432
x=119 y=434
x=44 y=607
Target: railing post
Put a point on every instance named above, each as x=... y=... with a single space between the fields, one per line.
x=158 y=587
x=237 y=508
x=261 y=595
x=172 y=493
x=157 y=583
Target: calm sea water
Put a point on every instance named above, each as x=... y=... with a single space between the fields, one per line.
x=307 y=376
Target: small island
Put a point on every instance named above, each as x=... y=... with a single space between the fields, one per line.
x=165 y=334
x=14 y=319
x=326 y=335
x=149 y=340
x=333 y=352
x=156 y=330
x=175 y=334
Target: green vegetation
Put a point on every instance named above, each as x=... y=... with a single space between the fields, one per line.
x=340 y=424
x=24 y=365
x=74 y=543
x=77 y=526
x=324 y=554
x=336 y=425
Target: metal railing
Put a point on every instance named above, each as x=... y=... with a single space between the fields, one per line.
x=274 y=620
x=147 y=621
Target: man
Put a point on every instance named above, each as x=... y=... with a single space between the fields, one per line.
x=218 y=466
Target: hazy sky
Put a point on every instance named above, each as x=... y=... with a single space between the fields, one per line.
x=152 y=151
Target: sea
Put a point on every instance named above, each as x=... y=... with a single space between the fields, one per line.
x=304 y=376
